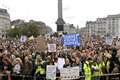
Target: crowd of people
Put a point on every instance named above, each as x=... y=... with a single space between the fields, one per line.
x=95 y=59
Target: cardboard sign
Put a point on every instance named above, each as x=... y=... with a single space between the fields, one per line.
x=51 y=72
x=71 y=40
x=41 y=43
x=51 y=47
x=69 y=73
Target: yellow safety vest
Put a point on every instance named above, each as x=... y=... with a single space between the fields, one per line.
x=40 y=70
x=87 y=71
x=86 y=68
x=108 y=64
x=98 y=72
x=101 y=65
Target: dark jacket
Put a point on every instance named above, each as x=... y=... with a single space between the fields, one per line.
x=28 y=67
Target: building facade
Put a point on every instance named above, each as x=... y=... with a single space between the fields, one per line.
x=109 y=25
x=4 y=22
x=113 y=24
x=69 y=28
x=91 y=29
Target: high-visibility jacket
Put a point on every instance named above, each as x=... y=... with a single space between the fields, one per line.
x=87 y=70
x=107 y=65
x=102 y=65
x=40 y=70
x=97 y=72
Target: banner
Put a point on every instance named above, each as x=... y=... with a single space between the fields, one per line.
x=71 y=40
x=51 y=47
x=51 y=72
x=69 y=73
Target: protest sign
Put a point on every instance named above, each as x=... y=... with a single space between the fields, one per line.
x=40 y=43
x=23 y=38
x=109 y=40
x=60 y=63
x=51 y=47
x=51 y=72
x=71 y=40
x=69 y=73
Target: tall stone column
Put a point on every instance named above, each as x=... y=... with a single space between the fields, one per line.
x=60 y=22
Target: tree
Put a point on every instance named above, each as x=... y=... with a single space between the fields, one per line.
x=31 y=28
x=28 y=29
x=16 y=32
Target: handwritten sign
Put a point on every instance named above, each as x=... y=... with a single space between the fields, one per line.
x=41 y=43
x=69 y=73
x=51 y=47
x=51 y=72
x=60 y=63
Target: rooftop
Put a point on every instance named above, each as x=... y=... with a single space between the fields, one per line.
x=3 y=12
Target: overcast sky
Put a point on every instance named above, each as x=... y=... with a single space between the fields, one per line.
x=76 y=12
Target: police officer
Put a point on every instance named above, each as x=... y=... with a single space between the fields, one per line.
x=40 y=69
x=96 y=67
x=87 y=69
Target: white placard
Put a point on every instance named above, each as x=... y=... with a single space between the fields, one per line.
x=51 y=72
x=69 y=73
x=51 y=47
x=60 y=63
x=109 y=40
x=23 y=39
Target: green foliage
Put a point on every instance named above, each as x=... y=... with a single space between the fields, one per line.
x=30 y=29
x=27 y=29
x=14 y=32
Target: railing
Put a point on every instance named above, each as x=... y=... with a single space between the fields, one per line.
x=114 y=76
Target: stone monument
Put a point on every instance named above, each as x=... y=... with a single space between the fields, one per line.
x=60 y=22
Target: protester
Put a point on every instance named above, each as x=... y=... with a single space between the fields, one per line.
x=27 y=68
x=40 y=68
x=23 y=61
x=17 y=68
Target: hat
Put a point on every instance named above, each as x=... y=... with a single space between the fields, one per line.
x=107 y=55
x=18 y=59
